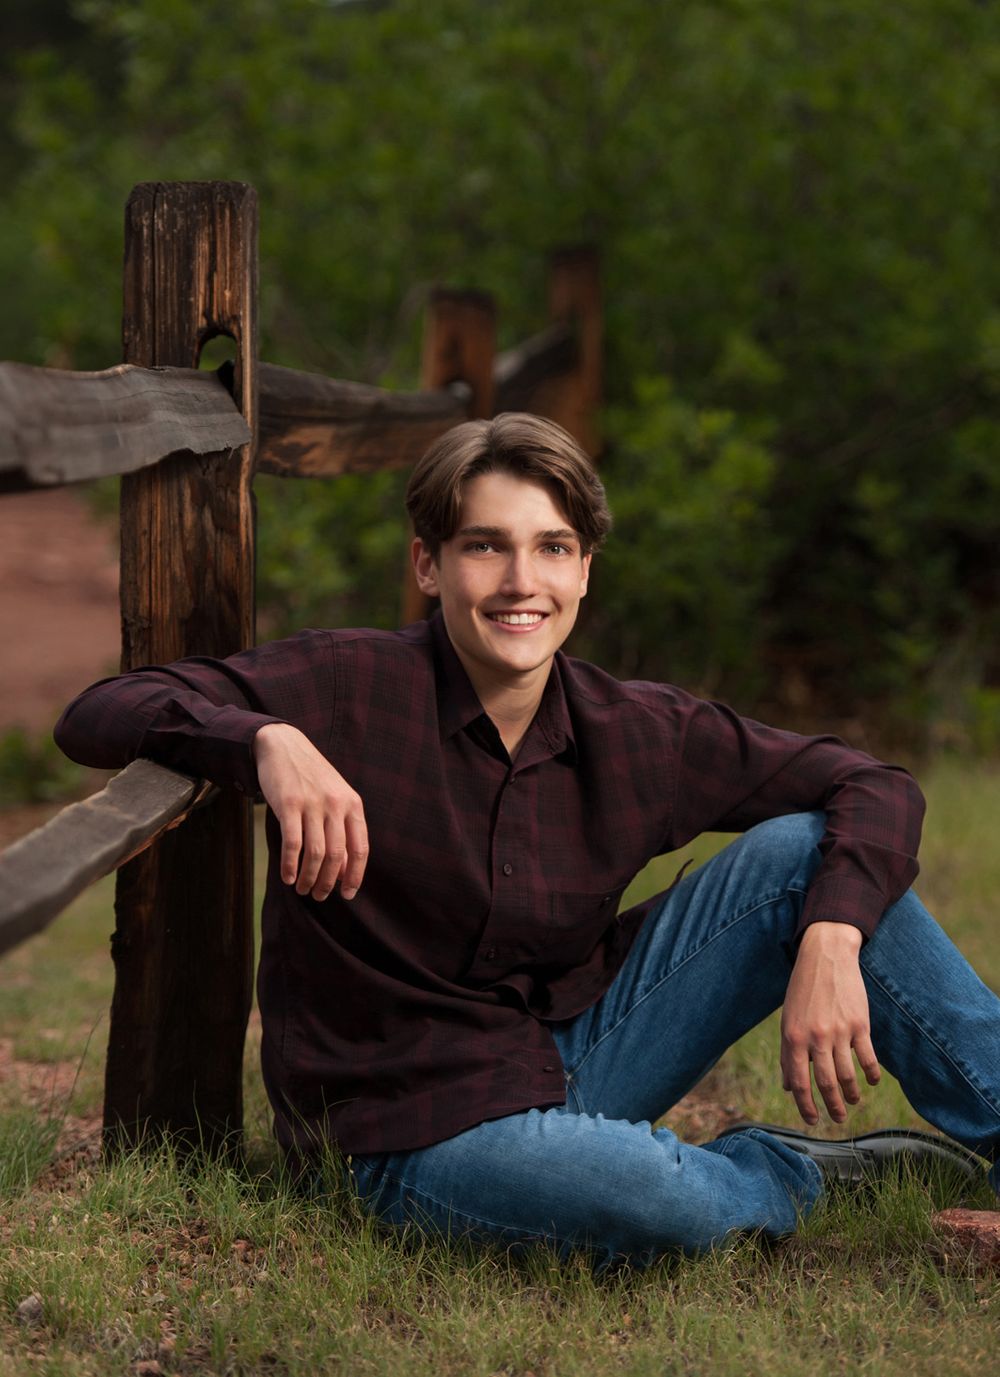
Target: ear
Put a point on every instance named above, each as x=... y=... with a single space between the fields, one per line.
x=585 y=574
x=424 y=567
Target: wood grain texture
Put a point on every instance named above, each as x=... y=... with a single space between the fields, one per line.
x=460 y=333
x=573 y=399
x=46 y=870
x=317 y=427
x=183 y=941
x=520 y=372
x=58 y=427
x=460 y=340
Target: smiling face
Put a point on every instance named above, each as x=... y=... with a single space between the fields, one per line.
x=510 y=581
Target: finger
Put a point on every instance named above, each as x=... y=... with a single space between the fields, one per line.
x=828 y=1085
x=865 y=1053
x=796 y=1080
x=313 y=853
x=333 y=860
x=357 y=852
x=291 y=845
x=844 y=1066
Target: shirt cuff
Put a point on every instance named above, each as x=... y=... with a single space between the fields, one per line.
x=842 y=899
x=222 y=748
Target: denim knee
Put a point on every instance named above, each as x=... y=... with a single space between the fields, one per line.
x=663 y=1213
x=787 y=846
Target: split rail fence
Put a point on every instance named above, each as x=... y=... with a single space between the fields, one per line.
x=187 y=443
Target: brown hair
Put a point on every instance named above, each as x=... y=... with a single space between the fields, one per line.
x=514 y=442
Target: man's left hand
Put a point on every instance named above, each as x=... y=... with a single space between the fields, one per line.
x=825 y=1019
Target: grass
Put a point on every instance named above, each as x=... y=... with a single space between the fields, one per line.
x=148 y=1265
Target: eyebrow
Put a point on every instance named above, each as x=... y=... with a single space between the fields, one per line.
x=492 y=532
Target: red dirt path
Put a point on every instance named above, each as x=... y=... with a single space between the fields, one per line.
x=58 y=605
x=59 y=626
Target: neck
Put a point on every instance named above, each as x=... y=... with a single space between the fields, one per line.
x=512 y=724
x=511 y=705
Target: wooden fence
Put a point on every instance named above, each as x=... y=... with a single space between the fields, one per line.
x=187 y=444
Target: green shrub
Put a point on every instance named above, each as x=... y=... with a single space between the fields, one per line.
x=34 y=770
x=679 y=588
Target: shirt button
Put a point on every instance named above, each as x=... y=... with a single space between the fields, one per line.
x=508 y=869
x=548 y=1068
x=490 y=953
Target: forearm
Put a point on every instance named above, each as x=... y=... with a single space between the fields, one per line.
x=874 y=815
x=209 y=718
x=873 y=811
x=162 y=715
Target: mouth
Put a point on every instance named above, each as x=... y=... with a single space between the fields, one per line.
x=516 y=618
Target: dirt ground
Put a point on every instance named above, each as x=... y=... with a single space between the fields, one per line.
x=59 y=627
x=58 y=604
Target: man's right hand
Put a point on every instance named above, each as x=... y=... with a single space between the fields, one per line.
x=324 y=837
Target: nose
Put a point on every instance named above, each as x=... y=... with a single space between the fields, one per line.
x=518 y=575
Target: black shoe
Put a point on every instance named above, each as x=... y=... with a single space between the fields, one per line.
x=873 y=1154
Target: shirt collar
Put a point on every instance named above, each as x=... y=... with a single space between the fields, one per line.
x=551 y=732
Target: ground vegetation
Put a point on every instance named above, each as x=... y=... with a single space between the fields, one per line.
x=151 y=1266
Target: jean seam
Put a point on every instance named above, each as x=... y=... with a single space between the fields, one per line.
x=572 y=1089
x=646 y=994
x=945 y=1053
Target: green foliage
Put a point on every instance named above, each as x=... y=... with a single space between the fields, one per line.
x=683 y=576
x=796 y=210
x=330 y=554
x=34 y=770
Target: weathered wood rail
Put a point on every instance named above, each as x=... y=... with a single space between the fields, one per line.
x=58 y=427
x=46 y=870
x=187 y=443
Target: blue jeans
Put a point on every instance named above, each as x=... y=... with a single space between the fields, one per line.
x=712 y=960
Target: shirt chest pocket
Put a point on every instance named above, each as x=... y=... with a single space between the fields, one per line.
x=564 y=932
x=569 y=910
x=576 y=923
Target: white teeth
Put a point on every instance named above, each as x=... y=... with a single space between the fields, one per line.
x=516 y=618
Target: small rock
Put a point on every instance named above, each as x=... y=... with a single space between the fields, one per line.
x=976 y=1232
x=147 y=1367
x=29 y=1311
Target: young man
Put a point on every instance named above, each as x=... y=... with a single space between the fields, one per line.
x=448 y=991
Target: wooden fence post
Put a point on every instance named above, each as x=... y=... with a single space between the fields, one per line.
x=460 y=333
x=183 y=944
x=460 y=340
x=573 y=399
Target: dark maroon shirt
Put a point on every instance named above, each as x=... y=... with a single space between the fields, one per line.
x=490 y=904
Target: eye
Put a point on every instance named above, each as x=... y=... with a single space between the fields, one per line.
x=480 y=547
x=557 y=549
